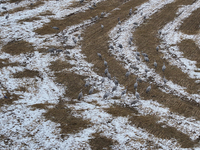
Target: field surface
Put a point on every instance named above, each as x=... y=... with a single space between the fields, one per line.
x=99 y=74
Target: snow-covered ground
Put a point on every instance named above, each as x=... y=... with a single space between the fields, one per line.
x=18 y=120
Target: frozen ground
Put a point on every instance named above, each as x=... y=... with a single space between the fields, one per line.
x=22 y=127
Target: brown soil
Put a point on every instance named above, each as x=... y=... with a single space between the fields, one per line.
x=121 y=111
x=149 y=123
x=73 y=82
x=95 y=41
x=37 y=4
x=90 y=47
x=41 y=106
x=78 y=4
x=18 y=9
x=146 y=41
x=14 y=1
x=12 y=11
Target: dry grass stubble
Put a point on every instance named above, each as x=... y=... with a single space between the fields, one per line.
x=94 y=43
x=190 y=50
x=6 y=63
x=68 y=123
x=17 y=47
x=74 y=19
x=191 y=24
x=26 y=74
x=100 y=142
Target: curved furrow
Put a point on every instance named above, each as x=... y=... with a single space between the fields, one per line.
x=146 y=40
x=95 y=41
x=119 y=129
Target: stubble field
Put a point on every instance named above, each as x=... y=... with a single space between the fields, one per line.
x=49 y=52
